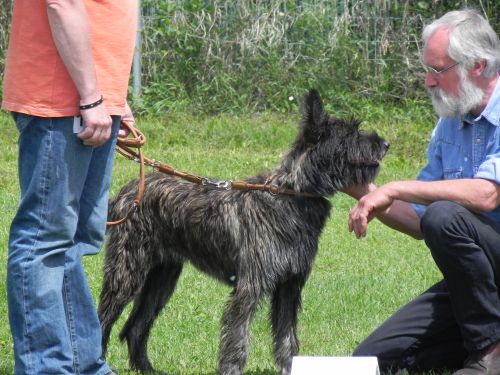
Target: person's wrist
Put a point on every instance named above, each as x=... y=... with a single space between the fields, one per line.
x=391 y=189
x=90 y=97
x=366 y=189
x=98 y=102
x=359 y=191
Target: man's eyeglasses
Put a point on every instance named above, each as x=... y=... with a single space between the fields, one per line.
x=437 y=73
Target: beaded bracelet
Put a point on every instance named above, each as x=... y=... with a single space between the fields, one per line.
x=91 y=105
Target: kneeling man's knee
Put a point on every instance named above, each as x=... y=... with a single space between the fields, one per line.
x=440 y=215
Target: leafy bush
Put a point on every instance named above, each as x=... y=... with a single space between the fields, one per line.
x=253 y=56
x=246 y=56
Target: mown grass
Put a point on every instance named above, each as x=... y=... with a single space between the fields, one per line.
x=354 y=286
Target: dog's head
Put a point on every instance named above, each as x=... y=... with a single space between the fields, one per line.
x=331 y=153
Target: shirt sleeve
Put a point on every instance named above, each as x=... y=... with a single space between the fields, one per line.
x=490 y=168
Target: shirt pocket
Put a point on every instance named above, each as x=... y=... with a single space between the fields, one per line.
x=455 y=161
x=453 y=173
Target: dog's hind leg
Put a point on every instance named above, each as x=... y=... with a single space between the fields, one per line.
x=159 y=286
x=234 y=331
x=286 y=302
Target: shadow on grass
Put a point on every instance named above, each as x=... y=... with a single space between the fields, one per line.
x=253 y=372
x=8 y=370
x=159 y=372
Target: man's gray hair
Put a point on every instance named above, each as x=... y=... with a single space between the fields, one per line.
x=471 y=39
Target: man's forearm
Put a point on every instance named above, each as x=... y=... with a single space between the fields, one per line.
x=477 y=195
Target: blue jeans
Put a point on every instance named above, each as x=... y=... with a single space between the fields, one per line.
x=459 y=315
x=61 y=217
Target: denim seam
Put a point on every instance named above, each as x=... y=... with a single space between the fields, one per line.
x=71 y=326
x=43 y=216
x=27 y=341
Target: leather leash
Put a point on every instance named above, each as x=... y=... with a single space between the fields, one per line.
x=131 y=149
x=123 y=145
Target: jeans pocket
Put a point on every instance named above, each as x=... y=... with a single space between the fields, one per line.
x=22 y=120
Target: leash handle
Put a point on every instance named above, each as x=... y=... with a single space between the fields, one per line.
x=125 y=146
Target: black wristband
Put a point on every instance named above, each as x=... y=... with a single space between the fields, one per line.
x=91 y=105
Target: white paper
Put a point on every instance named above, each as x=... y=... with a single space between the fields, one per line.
x=335 y=366
x=77 y=124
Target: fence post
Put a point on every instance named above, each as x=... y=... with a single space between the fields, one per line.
x=136 y=64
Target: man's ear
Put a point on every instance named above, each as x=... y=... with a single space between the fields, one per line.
x=478 y=68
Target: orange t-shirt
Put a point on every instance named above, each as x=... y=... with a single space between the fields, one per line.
x=36 y=81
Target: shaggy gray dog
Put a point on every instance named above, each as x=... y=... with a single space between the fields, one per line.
x=259 y=243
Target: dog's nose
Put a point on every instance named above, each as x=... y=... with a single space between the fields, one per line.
x=386 y=145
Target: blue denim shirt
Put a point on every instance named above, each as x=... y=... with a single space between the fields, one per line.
x=467 y=147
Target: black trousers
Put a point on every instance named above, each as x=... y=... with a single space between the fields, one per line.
x=459 y=315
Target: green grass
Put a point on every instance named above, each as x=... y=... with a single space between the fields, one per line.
x=354 y=286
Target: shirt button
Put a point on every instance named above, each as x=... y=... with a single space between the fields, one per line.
x=478 y=140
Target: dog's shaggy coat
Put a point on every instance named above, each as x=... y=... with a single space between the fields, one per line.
x=260 y=244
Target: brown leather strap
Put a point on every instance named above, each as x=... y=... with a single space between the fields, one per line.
x=228 y=185
x=269 y=187
x=131 y=149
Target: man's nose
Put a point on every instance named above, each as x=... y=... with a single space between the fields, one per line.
x=430 y=80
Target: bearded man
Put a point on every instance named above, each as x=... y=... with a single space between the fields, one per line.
x=453 y=206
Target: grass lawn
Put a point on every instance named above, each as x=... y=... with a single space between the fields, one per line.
x=354 y=286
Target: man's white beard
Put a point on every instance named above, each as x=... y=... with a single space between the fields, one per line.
x=449 y=106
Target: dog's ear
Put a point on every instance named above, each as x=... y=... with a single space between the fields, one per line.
x=314 y=114
x=313 y=126
x=353 y=122
x=313 y=117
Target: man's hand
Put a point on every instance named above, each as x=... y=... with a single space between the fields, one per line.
x=368 y=206
x=127 y=119
x=97 y=123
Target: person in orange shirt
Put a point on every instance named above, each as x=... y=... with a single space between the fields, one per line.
x=65 y=82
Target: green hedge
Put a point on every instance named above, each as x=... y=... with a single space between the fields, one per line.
x=251 y=56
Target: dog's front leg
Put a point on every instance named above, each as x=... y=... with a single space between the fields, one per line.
x=234 y=331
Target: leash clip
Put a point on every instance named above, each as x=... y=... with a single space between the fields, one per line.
x=223 y=184
x=271 y=188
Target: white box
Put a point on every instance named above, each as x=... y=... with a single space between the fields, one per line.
x=335 y=366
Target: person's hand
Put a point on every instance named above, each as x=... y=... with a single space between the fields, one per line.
x=365 y=210
x=127 y=119
x=97 y=126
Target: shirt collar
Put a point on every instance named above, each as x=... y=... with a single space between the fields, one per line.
x=492 y=111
